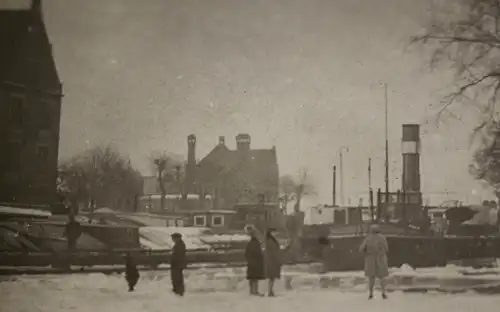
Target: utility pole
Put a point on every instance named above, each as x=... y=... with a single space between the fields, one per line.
x=334 y=188
x=341 y=179
x=342 y=174
x=386 y=148
x=369 y=173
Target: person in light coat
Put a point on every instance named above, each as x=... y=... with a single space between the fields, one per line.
x=375 y=248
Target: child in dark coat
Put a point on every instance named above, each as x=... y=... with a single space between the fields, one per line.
x=131 y=272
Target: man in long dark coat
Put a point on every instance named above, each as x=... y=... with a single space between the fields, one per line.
x=178 y=264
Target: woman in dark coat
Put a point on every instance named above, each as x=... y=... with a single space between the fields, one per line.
x=131 y=272
x=273 y=261
x=255 y=262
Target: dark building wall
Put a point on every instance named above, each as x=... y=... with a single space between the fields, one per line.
x=30 y=139
x=30 y=109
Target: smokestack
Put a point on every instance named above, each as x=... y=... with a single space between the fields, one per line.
x=334 y=189
x=411 y=158
x=243 y=142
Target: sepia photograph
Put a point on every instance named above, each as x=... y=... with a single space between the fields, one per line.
x=249 y=155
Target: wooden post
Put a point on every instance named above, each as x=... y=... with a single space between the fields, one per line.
x=372 y=208
x=379 y=205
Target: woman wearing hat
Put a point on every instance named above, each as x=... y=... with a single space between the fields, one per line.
x=255 y=261
x=272 y=260
x=374 y=248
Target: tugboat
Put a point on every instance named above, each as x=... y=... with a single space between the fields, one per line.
x=405 y=221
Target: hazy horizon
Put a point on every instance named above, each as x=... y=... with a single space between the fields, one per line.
x=304 y=76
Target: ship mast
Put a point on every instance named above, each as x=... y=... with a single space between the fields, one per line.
x=386 y=149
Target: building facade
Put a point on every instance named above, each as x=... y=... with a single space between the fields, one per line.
x=238 y=177
x=30 y=109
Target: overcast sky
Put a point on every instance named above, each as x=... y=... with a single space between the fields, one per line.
x=303 y=75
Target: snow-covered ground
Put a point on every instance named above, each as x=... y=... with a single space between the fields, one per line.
x=225 y=289
x=101 y=293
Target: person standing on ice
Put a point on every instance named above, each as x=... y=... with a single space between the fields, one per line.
x=272 y=261
x=178 y=264
x=255 y=261
x=374 y=248
x=131 y=272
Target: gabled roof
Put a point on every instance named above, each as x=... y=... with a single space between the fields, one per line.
x=26 y=53
x=215 y=163
x=256 y=168
x=260 y=167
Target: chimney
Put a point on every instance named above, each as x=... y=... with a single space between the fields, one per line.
x=222 y=140
x=243 y=142
x=191 y=165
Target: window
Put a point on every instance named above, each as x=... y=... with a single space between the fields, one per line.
x=45 y=117
x=171 y=223
x=42 y=152
x=14 y=154
x=179 y=222
x=217 y=221
x=16 y=109
x=200 y=221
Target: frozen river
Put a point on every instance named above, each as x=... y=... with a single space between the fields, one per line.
x=225 y=290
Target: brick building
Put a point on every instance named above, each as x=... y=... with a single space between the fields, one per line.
x=30 y=108
x=236 y=177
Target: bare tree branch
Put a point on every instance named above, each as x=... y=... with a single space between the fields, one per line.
x=295 y=188
x=168 y=169
x=100 y=174
x=466 y=39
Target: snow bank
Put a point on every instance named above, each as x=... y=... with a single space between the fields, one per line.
x=160 y=237
x=195 y=238
x=7 y=210
x=223 y=238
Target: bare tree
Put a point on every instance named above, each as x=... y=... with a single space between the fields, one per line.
x=169 y=170
x=100 y=175
x=486 y=162
x=465 y=37
x=295 y=188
